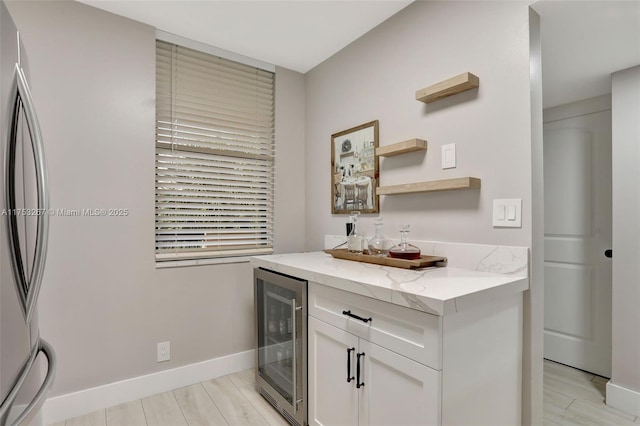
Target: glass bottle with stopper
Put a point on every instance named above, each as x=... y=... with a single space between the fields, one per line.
x=355 y=241
x=379 y=245
x=404 y=250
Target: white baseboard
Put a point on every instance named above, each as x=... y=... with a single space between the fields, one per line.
x=82 y=402
x=623 y=399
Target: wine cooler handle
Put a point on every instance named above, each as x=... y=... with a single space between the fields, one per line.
x=349 y=314
x=349 y=376
x=294 y=354
x=358 y=383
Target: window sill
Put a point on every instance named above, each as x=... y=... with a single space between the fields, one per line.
x=199 y=262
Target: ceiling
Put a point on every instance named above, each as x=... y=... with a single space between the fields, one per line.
x=583 y=42
x=293 y=34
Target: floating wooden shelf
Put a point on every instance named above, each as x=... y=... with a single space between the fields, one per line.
x=401 y=148
x=430 y=186
x=452 y=86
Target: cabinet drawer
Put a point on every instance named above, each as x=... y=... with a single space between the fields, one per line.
x=408 y=332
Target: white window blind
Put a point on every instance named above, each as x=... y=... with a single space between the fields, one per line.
x=214 y=156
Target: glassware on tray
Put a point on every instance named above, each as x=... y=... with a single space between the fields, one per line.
x=355 y=241
x=404 y=250
x=379 y=245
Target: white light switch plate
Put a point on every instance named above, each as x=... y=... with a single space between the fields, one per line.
x=449 y=156
x=507 y=213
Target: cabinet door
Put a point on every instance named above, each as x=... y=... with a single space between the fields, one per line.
x=332 y=400
x=397 y=391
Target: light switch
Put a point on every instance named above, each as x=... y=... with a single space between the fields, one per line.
x=449 y=156
x=507 y=213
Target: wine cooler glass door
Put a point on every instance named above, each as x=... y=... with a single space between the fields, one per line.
x=276 y=337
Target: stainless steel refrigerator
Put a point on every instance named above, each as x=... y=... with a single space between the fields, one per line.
x=23 y=238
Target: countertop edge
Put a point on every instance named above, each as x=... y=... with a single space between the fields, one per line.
x=436 y=306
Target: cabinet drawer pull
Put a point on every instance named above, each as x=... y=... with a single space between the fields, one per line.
x=358 y=383
x=349 y=377
x=349 y=314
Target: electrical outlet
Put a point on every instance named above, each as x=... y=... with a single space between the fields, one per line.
x=164 y=351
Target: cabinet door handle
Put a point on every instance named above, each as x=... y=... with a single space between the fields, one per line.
x=358 y=383
x=349 y=377
x=349 y=314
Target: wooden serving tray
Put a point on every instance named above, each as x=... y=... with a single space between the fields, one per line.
x=423 y=262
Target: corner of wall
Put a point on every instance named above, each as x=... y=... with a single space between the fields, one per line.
x=534 y=298
x=625 y=366
x=290 y=198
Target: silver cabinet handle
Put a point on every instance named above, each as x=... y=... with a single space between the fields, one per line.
x=31 y=409
x=28 y=288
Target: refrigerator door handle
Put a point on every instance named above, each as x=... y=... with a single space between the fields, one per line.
x=35 y=404
x=26 y=416
x=28 y=288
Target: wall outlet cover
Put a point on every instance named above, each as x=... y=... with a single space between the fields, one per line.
x=164 y=351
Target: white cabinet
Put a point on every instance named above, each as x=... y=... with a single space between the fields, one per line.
x=397 y=390
x=355 y=382
x=332 y=400
x=417 y=368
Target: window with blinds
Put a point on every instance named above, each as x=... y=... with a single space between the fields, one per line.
x=214 y=156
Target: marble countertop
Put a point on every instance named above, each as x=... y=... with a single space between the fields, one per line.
x=438 y=291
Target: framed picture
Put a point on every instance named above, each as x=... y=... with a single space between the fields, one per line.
x=355 y=170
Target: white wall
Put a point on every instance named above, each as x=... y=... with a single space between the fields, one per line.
x=532 y=376
x=376 y=78
x=623 y=391
x=290 y=168
x=104 y=305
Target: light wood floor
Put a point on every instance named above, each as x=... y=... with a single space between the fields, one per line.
x=571 y=397
x=575 y=397
x=228 y=400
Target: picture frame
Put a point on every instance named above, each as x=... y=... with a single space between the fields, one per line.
x=355 y=171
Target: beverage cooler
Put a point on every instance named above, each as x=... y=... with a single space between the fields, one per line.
x=281 y=322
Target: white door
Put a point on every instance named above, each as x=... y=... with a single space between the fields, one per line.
x=333 y=400
x=577 y=280
x=397 y=390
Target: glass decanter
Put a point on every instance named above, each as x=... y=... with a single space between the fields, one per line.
x=379 y=245
x=404 y=250
x=355 y=241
